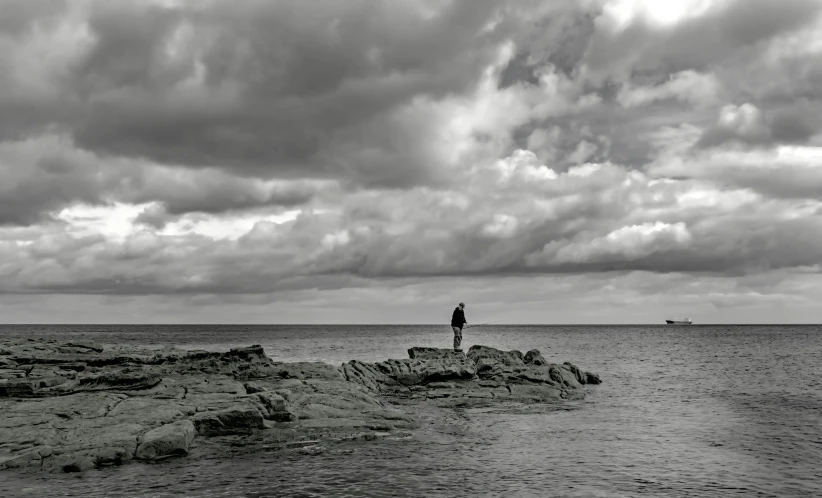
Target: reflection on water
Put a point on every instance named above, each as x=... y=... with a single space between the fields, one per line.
x=698 y=411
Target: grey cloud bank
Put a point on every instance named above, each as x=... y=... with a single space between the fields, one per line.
x=214 y=152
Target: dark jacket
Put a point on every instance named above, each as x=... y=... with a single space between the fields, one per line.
x=458 y=318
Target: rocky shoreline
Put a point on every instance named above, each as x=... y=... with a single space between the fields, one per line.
x=74 y=406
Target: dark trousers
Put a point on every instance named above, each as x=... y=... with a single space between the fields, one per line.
x=457 y=337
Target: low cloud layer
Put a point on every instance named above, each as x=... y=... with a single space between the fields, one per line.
x=211 y=151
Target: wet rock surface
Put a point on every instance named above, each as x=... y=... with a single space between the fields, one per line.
x=70 y=407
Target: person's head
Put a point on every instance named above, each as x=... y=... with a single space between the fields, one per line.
x=462 y=306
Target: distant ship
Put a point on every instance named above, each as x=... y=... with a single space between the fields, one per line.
x=677 y=321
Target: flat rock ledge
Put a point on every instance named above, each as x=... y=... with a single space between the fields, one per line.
x=74 y=406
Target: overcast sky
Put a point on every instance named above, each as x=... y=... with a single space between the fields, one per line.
x=377 y=161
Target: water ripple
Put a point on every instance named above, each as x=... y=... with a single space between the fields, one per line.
x=683 y=412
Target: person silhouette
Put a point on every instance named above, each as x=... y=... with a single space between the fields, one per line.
x=457 y=322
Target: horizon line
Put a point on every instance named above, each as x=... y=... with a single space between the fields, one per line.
x=402 y=324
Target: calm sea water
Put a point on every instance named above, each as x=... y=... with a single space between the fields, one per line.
x=682 y=411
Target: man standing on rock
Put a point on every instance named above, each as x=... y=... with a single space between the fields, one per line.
x=457 y=322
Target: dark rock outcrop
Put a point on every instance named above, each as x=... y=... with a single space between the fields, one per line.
x=534 y=357
x=166 y=441
x=484 y=373
x=74 y=406
x=240 y=419
x=491 y=355
x=420 y=353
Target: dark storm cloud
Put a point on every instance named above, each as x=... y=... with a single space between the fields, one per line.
x=793 y=126
x=154 y=215
x=211 y=191
x=17 y=18
x=275 y=89
x=518 y=70
x=559 y=40
x=226 y=270
x=129 y=49
x=592 y=219
x=42 y=176
x=36 y=183
x=749 y=125
x=713 y=250
x=741 y=151
x=348 y=112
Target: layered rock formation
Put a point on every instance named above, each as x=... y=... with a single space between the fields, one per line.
x=484 y=373
x=74 y=406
